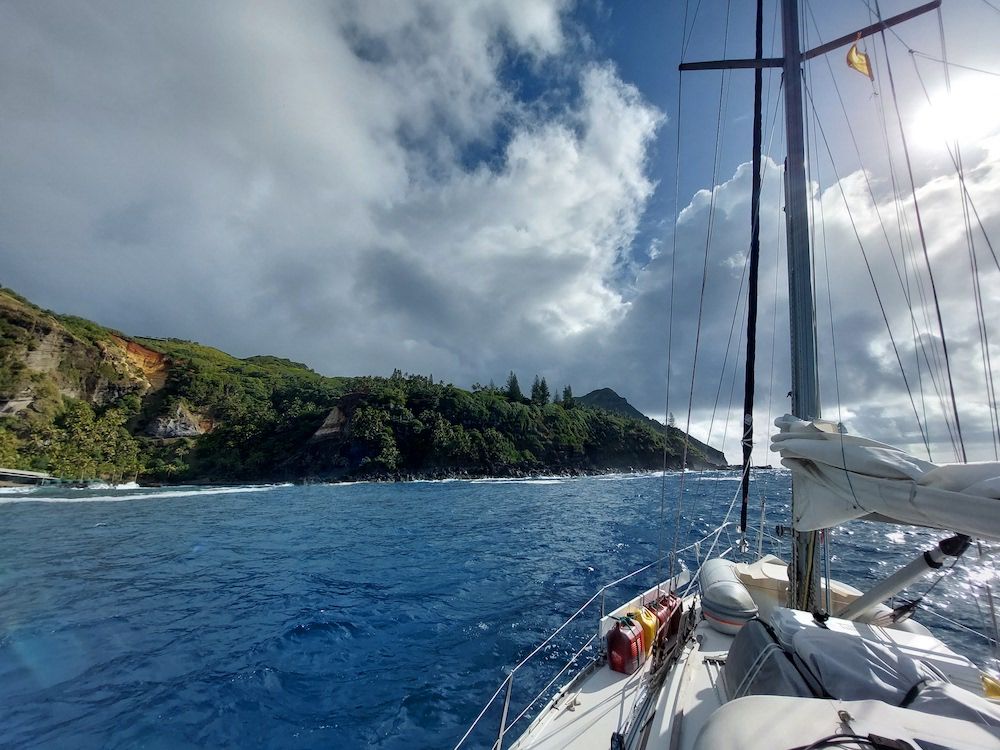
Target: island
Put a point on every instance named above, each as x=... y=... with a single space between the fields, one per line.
x=80 y=401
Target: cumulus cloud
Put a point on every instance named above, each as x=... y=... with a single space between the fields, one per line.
x=861 y=366
x=297 y=178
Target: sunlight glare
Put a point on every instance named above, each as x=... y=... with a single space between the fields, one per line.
x=970 y=114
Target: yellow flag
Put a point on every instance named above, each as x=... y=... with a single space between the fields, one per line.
x=859 y=61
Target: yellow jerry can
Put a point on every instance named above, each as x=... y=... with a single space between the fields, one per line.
x=649 y=625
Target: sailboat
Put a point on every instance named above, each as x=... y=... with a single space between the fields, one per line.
x=769 y=653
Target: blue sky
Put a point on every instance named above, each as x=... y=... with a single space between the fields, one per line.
x=466 y=187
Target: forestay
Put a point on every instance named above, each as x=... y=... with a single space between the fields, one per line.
x=840 y=477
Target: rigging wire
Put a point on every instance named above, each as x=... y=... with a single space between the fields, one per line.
x=991 y=5
x=729 y=345
x=885 y=234
x=968 y=211
x=927 y=609
x=715 y=541
x=974 y=266
x=688 y=33
x=670 y=308
x=719 y=138
x=739 y=295
x=924 y=55
x=923 y=244
x=910 y=605
x=864 y=253
x=953 y=431
x=961 y=176
x=723 y=94
x=736 y=307
x=725 y=87
x=904 y=233
x=740 y=299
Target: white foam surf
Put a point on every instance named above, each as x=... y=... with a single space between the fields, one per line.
x=153 y=494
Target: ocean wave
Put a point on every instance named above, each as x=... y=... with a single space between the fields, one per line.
x=521 y=480
x=150 y=495
x=15 y=490
x=107 y=486
x=335 y=630
x=627 y=476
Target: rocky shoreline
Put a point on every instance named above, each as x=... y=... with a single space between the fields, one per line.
x=434 y=475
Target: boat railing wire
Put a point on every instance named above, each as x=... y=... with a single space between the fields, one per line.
x=506 y=686
x=990 y=640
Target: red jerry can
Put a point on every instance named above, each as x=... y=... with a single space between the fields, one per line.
x=625 y=652
x=660 y=610
x=671 y=603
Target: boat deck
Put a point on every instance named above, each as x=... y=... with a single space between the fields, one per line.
x=687 y=707
x=590 y=712
x=692 y=692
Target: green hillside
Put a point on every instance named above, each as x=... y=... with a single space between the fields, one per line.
x=605 y=398
x=82 y=401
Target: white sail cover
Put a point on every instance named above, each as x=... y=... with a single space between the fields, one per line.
x=839 y=477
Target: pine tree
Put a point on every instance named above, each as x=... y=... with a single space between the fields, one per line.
x=539 y=392
x=513 y=389
x=567 y=397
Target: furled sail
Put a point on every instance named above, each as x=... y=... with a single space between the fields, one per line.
x=840 y=477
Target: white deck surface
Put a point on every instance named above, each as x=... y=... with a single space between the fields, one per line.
x=692 y=691
x=586 y=718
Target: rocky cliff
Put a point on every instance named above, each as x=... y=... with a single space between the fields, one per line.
x=44 y=356
x=145 y=364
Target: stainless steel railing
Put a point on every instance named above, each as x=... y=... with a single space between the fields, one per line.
x=509 y=681
x=506 y=687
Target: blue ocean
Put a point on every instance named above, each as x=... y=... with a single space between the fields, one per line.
x=351 y=615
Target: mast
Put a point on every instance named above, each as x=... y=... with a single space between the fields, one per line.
x=803 y=583
x=804 y=573
x=805 y=385
x=748 y=385
x=803 y=592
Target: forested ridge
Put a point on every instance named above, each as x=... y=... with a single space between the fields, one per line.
x=82 y=401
